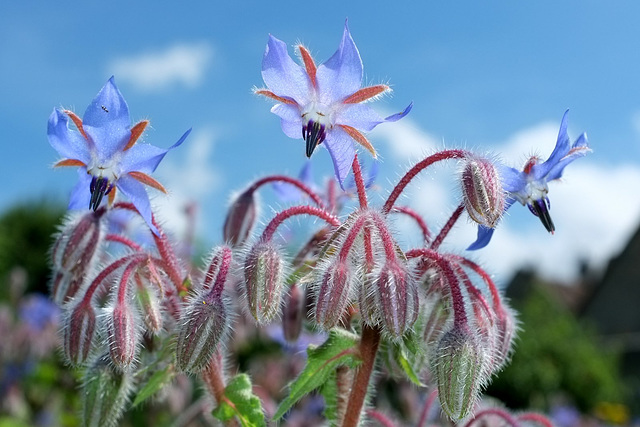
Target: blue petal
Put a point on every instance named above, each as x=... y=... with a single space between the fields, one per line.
x=68 y=143
x=401 y=114
x=484 y=237
x=340 y=146
x=282 y=75
x=359 y=116
x=81 y=194
x=138 y=196
x=291 y=122
x=559 y=151
x=513 y=180
x=340 y=75
x=372 y=173
x=579 y=149
x=145 y=157
x=107 y=121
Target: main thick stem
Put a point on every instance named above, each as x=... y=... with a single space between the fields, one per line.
x=369 y=344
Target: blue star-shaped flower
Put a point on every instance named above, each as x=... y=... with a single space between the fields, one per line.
x=105 y=150
x=323 y=104
x=529 y=186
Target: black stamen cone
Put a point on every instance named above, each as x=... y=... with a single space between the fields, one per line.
x=314 y=133
x=540 y=209
x=99 y=187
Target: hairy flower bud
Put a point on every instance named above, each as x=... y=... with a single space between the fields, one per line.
x=123 y=331
x=79 y=328
x=106 y=393
x=332 y=287
x=264 y=279
x=150 y=304
x=482 y=191
x=460 y=370
x=73 y=254
x=240 y=219
x=397 y=296
x=293 y=313
x=439 y=316
x=507 y=326
x=202 y=326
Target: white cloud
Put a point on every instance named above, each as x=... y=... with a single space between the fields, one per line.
x=189 y=180
x=594 y=207
x=183 y=64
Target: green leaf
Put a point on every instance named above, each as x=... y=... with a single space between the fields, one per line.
x=239 y=401
x=407 y=365
x=158 y=380
x=339 y=349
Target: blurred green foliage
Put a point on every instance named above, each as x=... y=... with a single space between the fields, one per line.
x=555 y=356
x=25 y=237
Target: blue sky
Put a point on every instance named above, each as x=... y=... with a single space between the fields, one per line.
x=494 y=76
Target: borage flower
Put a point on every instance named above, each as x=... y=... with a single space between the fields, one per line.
x=324 y=101
x=104 y=148
x=529 y=186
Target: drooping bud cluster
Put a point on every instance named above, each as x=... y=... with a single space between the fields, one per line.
x=205 y=320
x=74 y=253
x=482 y=191
x=293 y=313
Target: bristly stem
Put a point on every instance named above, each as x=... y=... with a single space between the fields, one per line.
x=369 y=343
x=447 y=227
x=357 y=177
x=121 y=239
x=406 y=179
x=295 y=182
x=510 y=420
x=271 y=228
x=537 y=418
x=424 y=415
x=213 y=377
x=405 y=210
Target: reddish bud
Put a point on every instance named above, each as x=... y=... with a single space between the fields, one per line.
x=482 y=191
x=397 y=297
x=123 y=331
x=74 y=253
x=203 y=324
x=150 y=304
x=78 y=332
x=293 y=313
x=240 y=219
x=264 y=279
x=332 y=288
x=507 y=326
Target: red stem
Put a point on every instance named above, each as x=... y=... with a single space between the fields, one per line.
x=295 y=182
x=447 y=227
x=532 y=416
x=357 y=175
x=424 y=415
x=137 y=258
x=417 y=218
x=380 y=417
x=493 y=411
x=271 y=228
x=406 y=179
x=495 y=293
x=127 y=242
x=368 y=348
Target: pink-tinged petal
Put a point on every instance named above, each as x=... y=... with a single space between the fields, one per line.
x=136 y=132
x=359 y=116
x=81 y=195
x=147 y=180
x=273 y=96
x=69 y=162
x=136 y=193
x=68 y=143
x=291 y=122
x=360 y=139
x=106 y=121
x=340 y=75
x=145 y=157
x=282 y=75
x=309 y=64
x=340 y=147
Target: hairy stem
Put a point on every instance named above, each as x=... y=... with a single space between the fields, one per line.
x=447 y=227
x=271 y=228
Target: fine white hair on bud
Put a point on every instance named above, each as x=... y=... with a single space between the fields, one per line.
x=264 y=281
x=241 y=218
x=482 y=191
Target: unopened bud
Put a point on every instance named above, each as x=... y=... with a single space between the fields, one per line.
x=240 y=219
x=78 y=331
x=439 y=316
x=482 y=192
x=293 y=313
x=333 y=288
x=397 y=295
x=73 y=254
x=264 y=279
x=203 y=324
x=106 y=393
x=150 y=305
x=507 y=326
x=123 y=331
x=460 y=371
